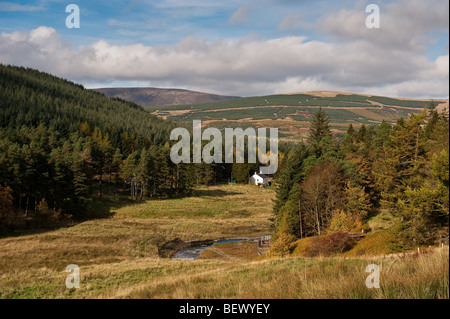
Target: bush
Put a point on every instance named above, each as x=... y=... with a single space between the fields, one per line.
x=336 y=243
x=281 y=246
x=376 y=244
x=301 y=246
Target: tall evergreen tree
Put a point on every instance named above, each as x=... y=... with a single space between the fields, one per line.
x=319 y=127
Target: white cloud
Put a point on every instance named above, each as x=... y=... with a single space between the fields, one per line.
x=405 y=24
x=243 y=67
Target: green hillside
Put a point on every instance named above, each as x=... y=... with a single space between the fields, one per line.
x=29 y=98
x=292 y=113
x=341 y=100
x=60 y=143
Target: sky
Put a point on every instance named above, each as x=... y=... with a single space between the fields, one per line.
x=239 y=48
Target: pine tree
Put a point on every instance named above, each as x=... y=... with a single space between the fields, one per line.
x=319 y=127
x=129 y=171
x=6 y=206
x=347 y=145
x=382 y=136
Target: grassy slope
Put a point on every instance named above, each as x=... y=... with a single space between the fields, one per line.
x=291 y=113
x=118 y=257
x=424 y=276
x=32 y=265
x=246 y=250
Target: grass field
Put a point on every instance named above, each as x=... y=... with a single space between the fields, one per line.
x=32 y=265
x=118 y=257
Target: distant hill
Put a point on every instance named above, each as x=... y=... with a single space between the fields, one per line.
x=160 y=97
x=292 y=112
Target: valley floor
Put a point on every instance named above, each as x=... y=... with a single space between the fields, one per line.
x=118 y=257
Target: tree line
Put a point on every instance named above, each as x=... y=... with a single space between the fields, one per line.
x=60 y=143
x=329 y=185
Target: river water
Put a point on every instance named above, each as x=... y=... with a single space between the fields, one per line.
x=193 y=252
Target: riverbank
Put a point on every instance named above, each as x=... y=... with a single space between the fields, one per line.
x=191 y=250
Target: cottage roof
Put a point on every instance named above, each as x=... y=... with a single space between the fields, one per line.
x=261 y=175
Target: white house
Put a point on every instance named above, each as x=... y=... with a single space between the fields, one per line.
x=259 y=179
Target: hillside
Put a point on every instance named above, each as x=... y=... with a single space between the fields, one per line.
x=155 y=96
x=59 y=143
x=291 y=113
x=29 y=97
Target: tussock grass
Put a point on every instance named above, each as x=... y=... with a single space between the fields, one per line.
x=422 y=276
x=246 y=250
x=118 y=257
x=33 y=265
x=300 y=247
x=374 y=244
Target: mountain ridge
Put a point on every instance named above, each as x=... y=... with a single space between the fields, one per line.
x=151 y=96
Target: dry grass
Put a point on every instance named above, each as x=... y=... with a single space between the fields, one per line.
x=423 y=276
x=376 y=244
x=118 y=257
x=236 y=251
x=33 y=265
x=379 y=243
x=411 y=276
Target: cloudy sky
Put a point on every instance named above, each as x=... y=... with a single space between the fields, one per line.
x=244 y=48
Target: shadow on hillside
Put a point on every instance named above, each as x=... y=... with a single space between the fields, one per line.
x=212 y=193
x=97 y=208
x=372 y=214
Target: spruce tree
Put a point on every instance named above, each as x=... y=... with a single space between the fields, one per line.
x=319 y=127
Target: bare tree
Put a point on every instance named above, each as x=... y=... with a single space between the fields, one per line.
x=322 y=194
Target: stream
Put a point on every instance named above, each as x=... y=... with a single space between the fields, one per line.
x=193 y=252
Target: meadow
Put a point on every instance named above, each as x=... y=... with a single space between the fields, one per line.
x=118 y=257
x=32 y=265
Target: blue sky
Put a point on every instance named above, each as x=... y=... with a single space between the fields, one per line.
x=225 y=46
x=164 y=22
